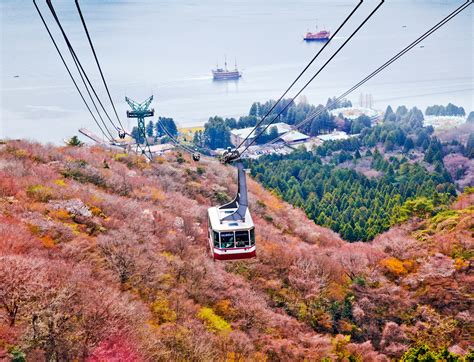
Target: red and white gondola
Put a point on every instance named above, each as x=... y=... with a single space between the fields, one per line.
x=231 y=230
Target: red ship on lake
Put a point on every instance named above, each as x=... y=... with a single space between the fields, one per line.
x=322 y=35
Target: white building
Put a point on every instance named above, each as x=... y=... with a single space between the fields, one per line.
x=334 y=136
x=294 y=137
x=238 y=135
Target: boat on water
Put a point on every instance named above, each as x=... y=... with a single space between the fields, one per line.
x=322 y=35
x=226 y=74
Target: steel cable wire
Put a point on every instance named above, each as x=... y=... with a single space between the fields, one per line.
x=71 y=48
x=69 y=72
x=314 y=76
x=441 y=23
x=97 y=62
x=302 y=72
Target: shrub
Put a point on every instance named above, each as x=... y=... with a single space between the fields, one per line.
x=469 y=190
x=225 y=309
x=128 y=160
x=200 y=170
x=213 y=322
x=425 y=354
x=96 y=211
x=179 y=158
x=17 y=152
x=60 y=182
x=447 y=220
x=48 y=242
x=40 y=193
x=161 y=310
x=60 y=214
x=221 y=197
x=74 y=141
x=82 y=172
x=8 y=185
x=393 y=267
x=17 y=355
x=120 y=157
x=419 y=207
x=261 y=204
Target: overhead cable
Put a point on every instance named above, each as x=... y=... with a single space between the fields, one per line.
x=97 y=62
x=303 y=71
x=314 y=76
x=441 y=23
x=69 y=72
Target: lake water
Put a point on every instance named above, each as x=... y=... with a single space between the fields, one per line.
x=168 y=47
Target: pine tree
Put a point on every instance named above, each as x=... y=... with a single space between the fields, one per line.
x=197 y=139
x=408 y=145
x=168 y=124
x=74 y=141
x=470 y=146
x=149 y=129
x=137 y=135
x=470 y=118
x=216 y=133
x=389 y=115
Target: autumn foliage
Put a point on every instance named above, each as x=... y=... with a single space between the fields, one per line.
x=111 y=264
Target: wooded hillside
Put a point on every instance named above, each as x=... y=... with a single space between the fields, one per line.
x=104 y=257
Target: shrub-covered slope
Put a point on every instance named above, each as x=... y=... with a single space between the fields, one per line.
x=104 y=257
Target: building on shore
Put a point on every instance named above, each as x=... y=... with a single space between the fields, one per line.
x=333 y=136
x=294 y=137
x=237 y=136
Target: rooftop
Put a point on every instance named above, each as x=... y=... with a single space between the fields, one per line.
x=294 y=136
x=337 y=135
x=245 y=132
x=215 y=216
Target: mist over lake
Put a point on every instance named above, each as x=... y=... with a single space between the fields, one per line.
x=167 y=48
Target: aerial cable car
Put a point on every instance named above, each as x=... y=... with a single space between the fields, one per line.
x=231 y=230
x=196 y=156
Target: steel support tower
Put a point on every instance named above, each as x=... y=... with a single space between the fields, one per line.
x=140 y=111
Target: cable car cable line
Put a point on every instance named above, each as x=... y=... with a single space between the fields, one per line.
x=315 y=75
x=174 y=140
x=441 y=23
x=70 y=74
x=303 y=71
x=231 y=229
x=79 y=66
x=91 y=98
x=138 y=146
x=88 y=91
x=97 y=62
x=74 y=55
